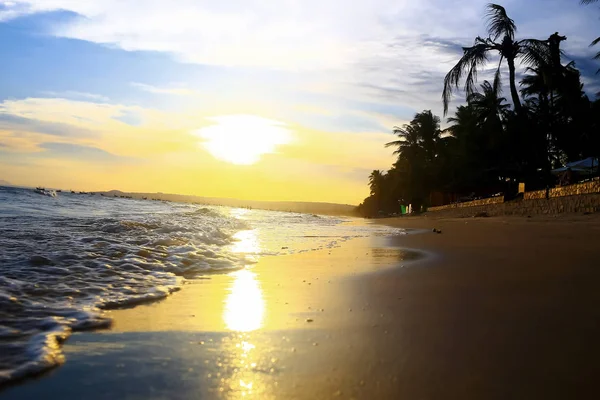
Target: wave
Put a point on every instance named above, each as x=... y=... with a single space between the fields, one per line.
x=62 y=263
x=58 y=273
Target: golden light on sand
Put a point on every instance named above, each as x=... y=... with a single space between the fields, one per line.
x=244 y=306
x=243 y=139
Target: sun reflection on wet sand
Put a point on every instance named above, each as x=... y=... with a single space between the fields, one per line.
x=244 y=306
x=244 y=312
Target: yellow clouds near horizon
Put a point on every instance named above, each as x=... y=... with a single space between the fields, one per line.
x=93 y=146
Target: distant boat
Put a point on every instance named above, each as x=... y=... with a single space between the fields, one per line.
x=59 y=191
x=45 y=192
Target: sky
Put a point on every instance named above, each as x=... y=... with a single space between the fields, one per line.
x=250 y=99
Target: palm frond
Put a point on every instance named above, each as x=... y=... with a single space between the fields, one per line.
x=395 y=143
x=588 y=1
x=499 y=23
x=535 y=52
x=595 y=42
x=498 y=78
x=473 y=57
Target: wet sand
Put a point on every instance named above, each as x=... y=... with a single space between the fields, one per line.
x=499 y=308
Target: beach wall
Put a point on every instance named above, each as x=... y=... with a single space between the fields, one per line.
x=474 y=203
x=537 y=206
x=571 y=190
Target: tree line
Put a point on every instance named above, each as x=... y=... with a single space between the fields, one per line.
x=491 y=144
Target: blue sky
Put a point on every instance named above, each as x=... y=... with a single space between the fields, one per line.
x=92 y=75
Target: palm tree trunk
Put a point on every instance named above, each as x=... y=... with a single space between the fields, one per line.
x=513 y=86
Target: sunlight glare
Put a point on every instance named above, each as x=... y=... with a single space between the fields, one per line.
x=243 y=139
x=245 y=306
x=246 y=243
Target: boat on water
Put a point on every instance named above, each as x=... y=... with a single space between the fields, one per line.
x=45 y=192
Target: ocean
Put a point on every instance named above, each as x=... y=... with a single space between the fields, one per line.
x=65 y=259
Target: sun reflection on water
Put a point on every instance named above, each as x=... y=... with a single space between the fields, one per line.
x=246 y=242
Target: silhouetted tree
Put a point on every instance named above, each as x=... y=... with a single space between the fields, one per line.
x=501 y=39
x=487 y=141
x=597 y=40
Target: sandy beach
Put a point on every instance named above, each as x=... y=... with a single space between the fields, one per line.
x=490 y=308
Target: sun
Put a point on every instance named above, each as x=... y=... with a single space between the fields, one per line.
x=243 y=139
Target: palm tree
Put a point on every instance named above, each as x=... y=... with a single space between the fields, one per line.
x=417 y=149
x=419 y=137
x=488 y=106
x=597 y=40
x=463 y=122
x=501 y=39
x=376 y=182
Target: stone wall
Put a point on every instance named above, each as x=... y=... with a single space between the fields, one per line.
x=570 y=190
x=474 y=203
x=555 y=205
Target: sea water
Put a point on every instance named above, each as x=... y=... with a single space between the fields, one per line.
x=65 y=259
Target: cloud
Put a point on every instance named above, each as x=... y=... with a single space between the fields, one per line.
x=380 y=51
x=75 y=113
x=17 y=124
x=116 y=128
x=72 y=94
x=178 y=91
x=130 y=117
x=82 y=153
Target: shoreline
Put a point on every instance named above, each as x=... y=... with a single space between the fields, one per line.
x=505 y=309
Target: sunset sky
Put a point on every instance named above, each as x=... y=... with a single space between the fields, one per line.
x=265 y=100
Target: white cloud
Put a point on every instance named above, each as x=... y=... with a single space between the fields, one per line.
x=371 y=50
x=72 y=94
x=179 y=91
x=290 y=34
